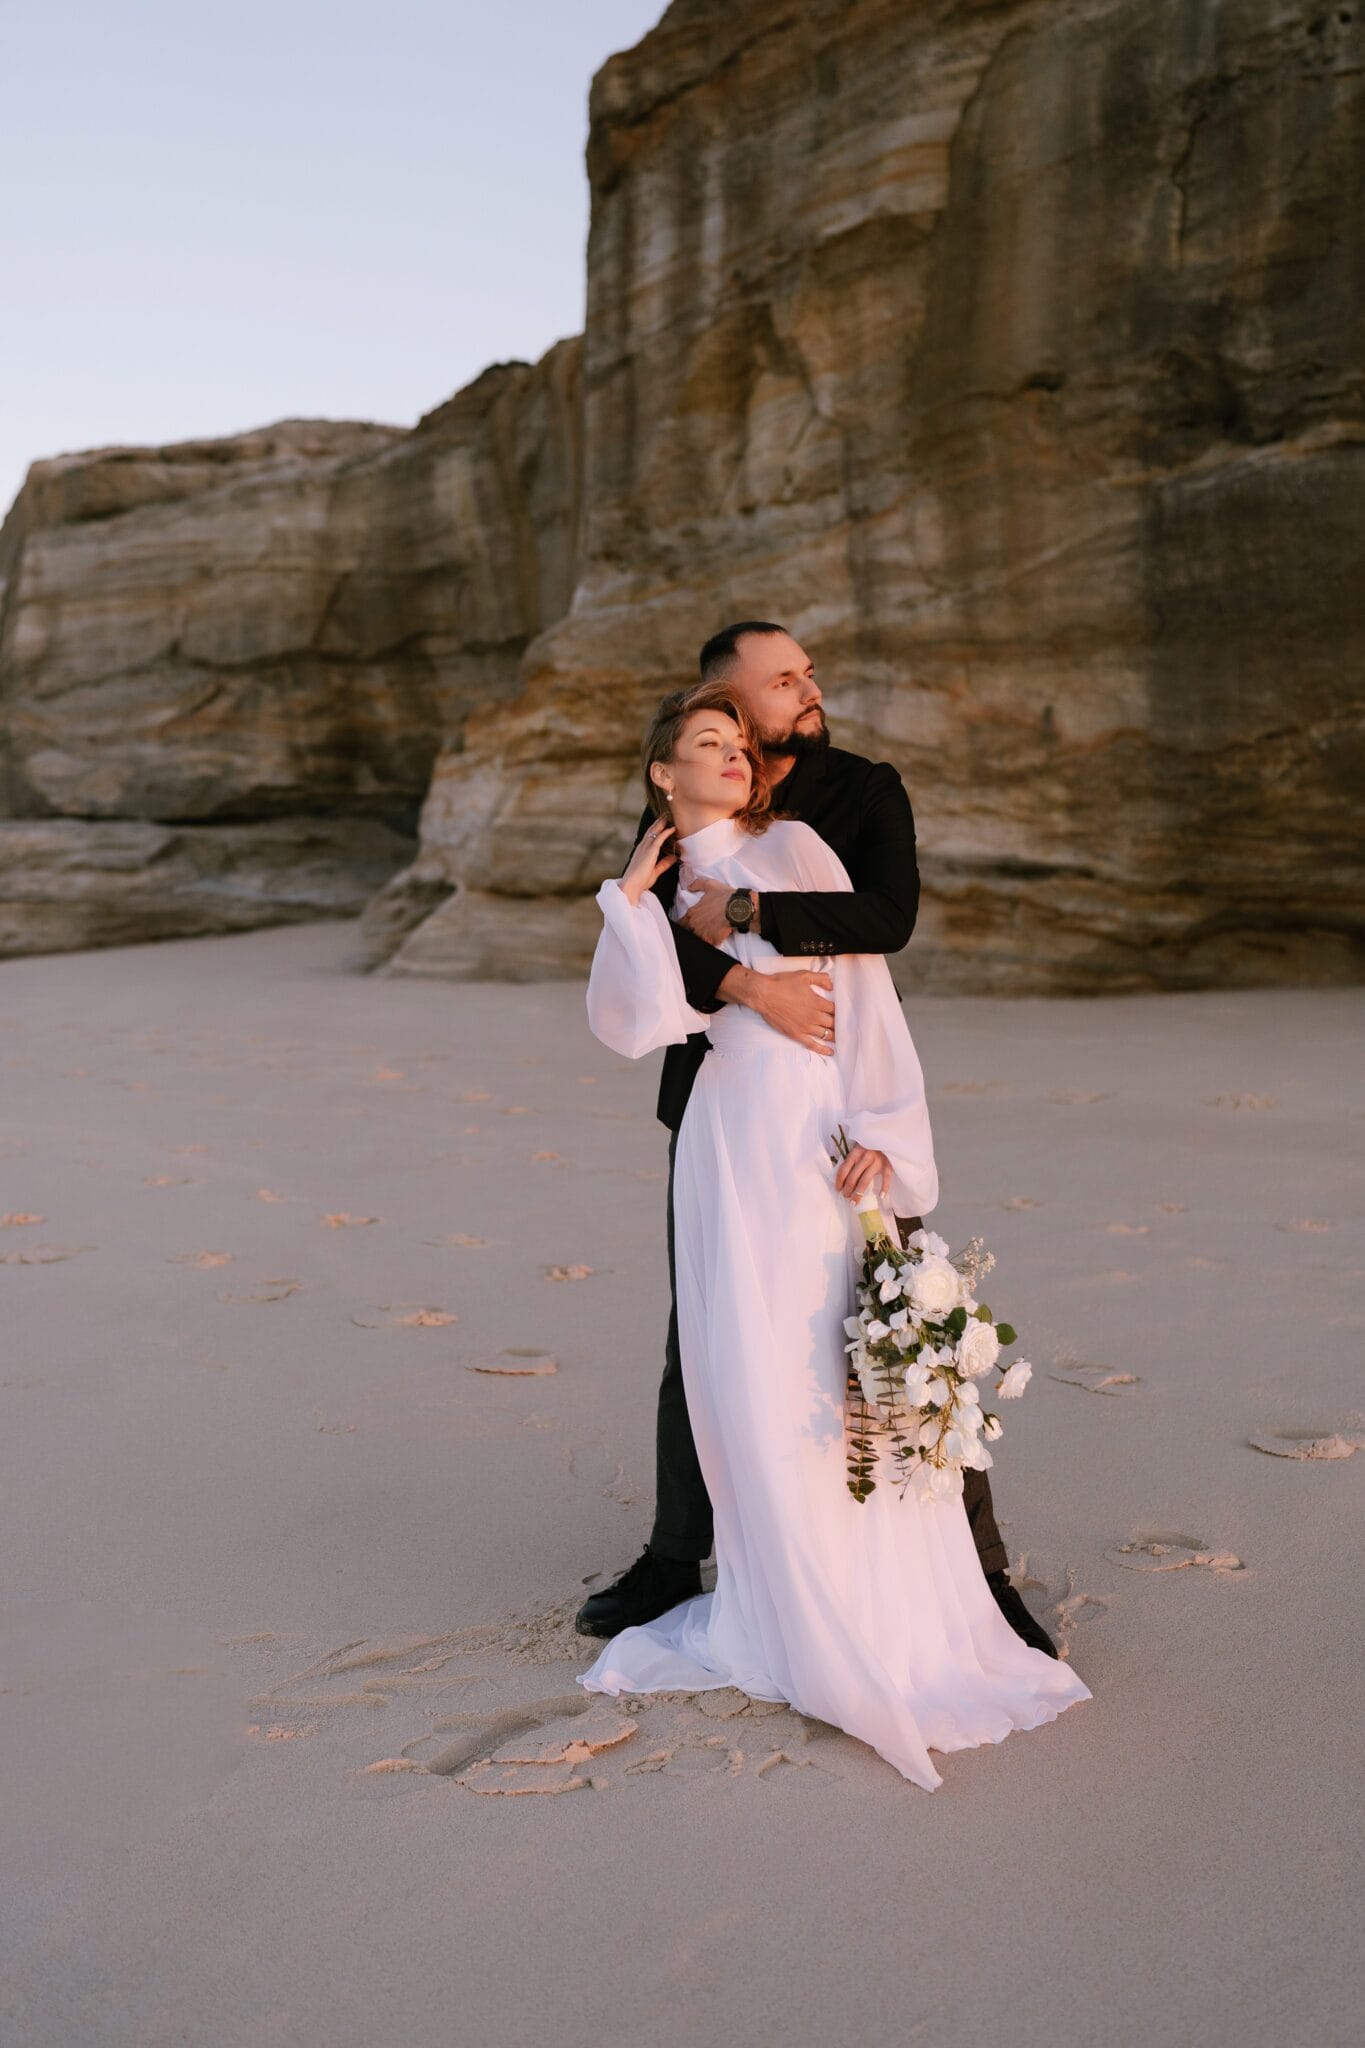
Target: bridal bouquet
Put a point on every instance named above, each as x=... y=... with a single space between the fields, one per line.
x=918 y=1347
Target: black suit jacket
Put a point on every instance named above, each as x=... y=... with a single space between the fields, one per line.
x=861 y=810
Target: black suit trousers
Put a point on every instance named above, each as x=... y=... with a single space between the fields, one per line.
x=682 y=1511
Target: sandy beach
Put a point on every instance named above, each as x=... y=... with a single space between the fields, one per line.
x=333 y=1321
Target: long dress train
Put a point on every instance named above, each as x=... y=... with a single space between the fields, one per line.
x=875 y=1617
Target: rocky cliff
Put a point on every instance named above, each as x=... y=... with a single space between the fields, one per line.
x=1009 y=352
x=1010 y=355
x=227 y=667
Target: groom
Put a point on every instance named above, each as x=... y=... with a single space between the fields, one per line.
x=861 y=810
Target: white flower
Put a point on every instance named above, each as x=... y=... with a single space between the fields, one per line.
x=937 y=1390
x=916 y=1386
x=876 y=1330
x=852 y=1326
x=935 y=1286
x=886 y=1271
x=969 y=1400
x=977 y=1349
x=890 y=1288
x=900 y=1319
x=992 y=1427
x=1015 y=1380
x=929 y=1241
x=928 y=1435
x=954 y=1444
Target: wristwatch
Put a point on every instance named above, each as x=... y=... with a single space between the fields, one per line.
x=740 y=908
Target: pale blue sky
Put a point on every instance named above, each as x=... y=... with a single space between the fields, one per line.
x=218 y=213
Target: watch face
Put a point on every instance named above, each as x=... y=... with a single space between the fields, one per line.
x=740 y=909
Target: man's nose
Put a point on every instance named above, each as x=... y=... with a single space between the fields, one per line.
x=810 y=691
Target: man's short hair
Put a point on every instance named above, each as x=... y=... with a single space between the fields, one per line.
x=716 y=662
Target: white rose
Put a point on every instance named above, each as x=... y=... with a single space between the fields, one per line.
x=992 y=1427
x=1015 y=1380
x=935 y=1286
x=977 y=1349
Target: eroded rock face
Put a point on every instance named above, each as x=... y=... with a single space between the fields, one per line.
x=71 y=883
x=277 y=633
x=1010 y=356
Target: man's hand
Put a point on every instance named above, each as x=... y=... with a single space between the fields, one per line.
x=707 y=918
x=795 y=1004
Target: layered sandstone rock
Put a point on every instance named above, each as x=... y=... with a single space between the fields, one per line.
x=1010 y=356
x=1008 y=352
x=273 y=634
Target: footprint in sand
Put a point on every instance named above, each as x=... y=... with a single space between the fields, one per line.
x=339 y=1220
x=1021 y=1202
x=460 y=1240
x=1173 y=1208
x=17 y=1217
x=1095 y=1379
x=568 y=1272
x=1069 y=1608
x=1166 y=1550
x=1126 y=1229
x=403 y=1316
x=968 y=1087
x=204 y=1260
x=1303 y=1226
x=479 y=1735
x=276 y=1290
x=1309 y=1443
x=1241 y=1101
x=1080 y=1098
x=44 y=1254
x=513 y=1364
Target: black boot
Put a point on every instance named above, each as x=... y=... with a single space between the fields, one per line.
x=651 y=1586
x=1018 y=1616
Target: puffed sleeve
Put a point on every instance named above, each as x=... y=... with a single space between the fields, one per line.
x=636 y=1000
x=883 y=1082
x=883 y=1085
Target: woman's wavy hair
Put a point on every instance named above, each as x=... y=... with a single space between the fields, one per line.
x=661 y=744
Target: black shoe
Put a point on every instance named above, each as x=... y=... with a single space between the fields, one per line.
x=1018 y=1616
x=650 y=1587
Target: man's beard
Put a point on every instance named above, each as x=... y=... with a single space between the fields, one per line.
x=800 y=744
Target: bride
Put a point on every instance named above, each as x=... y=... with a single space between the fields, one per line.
x=875 y=1616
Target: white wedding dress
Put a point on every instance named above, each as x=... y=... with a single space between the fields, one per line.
x=873 y=1616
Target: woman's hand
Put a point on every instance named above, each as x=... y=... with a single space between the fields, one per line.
x=648 y=861
x=861 y=1170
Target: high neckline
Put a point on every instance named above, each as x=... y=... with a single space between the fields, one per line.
x=713 y=841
